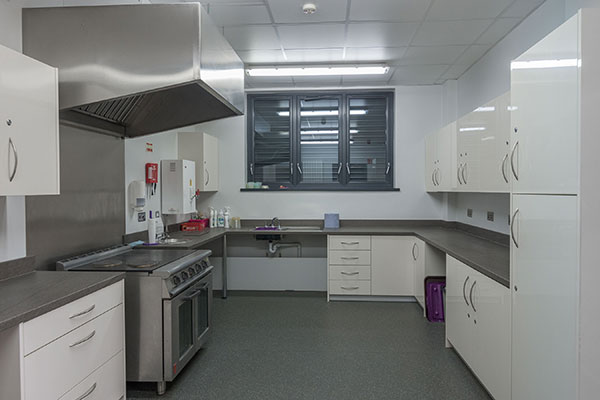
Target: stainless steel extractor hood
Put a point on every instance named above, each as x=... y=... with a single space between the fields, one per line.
x=133 y=70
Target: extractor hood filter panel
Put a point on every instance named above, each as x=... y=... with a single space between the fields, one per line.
x=115 y=111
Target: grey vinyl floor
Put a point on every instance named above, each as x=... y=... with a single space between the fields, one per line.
x=298 y=346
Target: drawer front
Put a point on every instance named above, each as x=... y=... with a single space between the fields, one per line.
x=348 y=257
x=349 y=273
x=54 y=324
x=105 y=383
x=54 y=369
x=350 y=287
x=341 y=242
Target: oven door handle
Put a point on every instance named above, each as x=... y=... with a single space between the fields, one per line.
x=196 y=292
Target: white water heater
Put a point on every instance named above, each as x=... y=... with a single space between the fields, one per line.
x=178 y=186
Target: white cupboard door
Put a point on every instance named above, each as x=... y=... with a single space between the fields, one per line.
x=492 y=303
x=211 y=163
x=446 y=151
x=29 y=160
x=418 y=256
x=459 y=329
x=430 y=163
x=391 y=266
x=473 y=131
x=544 y=279
x=545 y=129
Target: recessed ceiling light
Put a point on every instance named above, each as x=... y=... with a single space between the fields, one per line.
x=309 y=8
x=318 y=71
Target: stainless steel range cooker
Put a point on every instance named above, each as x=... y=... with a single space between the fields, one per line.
x=168 y=301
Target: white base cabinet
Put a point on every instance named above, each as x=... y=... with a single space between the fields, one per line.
x=29 y=141
x=478 y=325
x=392 y=266
x=76 y=351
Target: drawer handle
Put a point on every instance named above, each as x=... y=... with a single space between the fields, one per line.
x=349 y=273
x=350 y=243
x=350 y=287
x=88 y=392
x=349 y=258
x=85 y=339
x=82 y=313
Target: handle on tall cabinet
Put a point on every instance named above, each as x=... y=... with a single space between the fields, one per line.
x=512 y=160
x=503 y=167
x=11 y=147
x=512 y=228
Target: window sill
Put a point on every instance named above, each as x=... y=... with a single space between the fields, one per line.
x=341 y=189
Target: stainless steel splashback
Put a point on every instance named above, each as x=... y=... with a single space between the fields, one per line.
x=133 y=70
x=89 y=213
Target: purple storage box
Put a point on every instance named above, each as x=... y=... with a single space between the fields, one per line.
x=434 y=298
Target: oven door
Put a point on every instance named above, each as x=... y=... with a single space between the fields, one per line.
x=186 y=325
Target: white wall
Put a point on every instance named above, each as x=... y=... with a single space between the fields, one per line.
x=12 y=209
x=418 y=112
x=164 y=147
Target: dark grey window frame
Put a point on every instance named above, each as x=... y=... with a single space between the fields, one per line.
x=344 y=183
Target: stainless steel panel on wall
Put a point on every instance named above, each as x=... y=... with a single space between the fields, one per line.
x=90 y=211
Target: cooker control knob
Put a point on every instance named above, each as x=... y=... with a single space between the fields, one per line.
x=184 y=276
x=204 y=264
x=176 y=280
x=192 y=271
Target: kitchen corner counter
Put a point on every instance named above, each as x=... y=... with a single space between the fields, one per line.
x=488 y=257
x=27 y=296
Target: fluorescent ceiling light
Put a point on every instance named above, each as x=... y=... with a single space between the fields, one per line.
x=538 y=64
x=485 y=109
x=512 y=108
x=473 y=129
x=320 y=113
x=318 y=71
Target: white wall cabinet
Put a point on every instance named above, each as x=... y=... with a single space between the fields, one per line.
x=478 y=322
x=555 y=216
x=69 y=352
x=29 y=141
x=203 y=149
x=439 y=171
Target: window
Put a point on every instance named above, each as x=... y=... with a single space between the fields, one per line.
x=321 y=141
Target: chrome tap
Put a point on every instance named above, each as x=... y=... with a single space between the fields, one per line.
x=275 y=223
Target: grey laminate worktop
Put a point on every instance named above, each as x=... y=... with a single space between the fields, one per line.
x=486 y=256
x=27 y=296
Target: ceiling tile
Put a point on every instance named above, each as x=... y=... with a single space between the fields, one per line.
x=314 y=55
x=312 y=36
x=224 y=15
x=388 y=10
x=472 y=54
x=364 y=54
x=498 y=30
x=290 y=11
x=521 y=8
x=417 y=74
x=455 y=71
x=466 y=9
x=261 y=56
x=252 y=37
x=450 y=32
x=381 y=34
x=431 y=55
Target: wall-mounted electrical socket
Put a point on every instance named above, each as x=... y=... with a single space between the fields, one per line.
x=141 y=216
x=490 y=216
x=470 y=212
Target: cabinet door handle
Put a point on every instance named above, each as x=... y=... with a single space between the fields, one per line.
x=85 y=339
x=207 y=177
x=350 y=243
x=82 y=313
x=471 y=296
x=349 y=258
x=299 y=168
x=252 y=169
x=512 y=160
x=433 y=177
x=348 y=168
x=458 y=174
x=512 y=228
x=87 y=392
x=349 y=273
x=463 y=173
x=437 y=174
x=339 y=169
x=350 y=287
x=11 y=147
x=387 y=170
x=465 y=293
x=413 y=251
x=504 y=168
